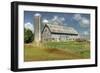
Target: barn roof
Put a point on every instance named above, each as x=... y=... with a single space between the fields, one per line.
x=61 y=29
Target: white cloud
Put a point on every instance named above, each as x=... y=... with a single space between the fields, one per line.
x=58 y=20
x=84 y=22
x=28 y=25
x=55 y=17
x=62 y=18
x=86 y=33
x=45 y=21
x=77 y=17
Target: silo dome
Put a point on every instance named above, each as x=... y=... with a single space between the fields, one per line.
x=37 y=14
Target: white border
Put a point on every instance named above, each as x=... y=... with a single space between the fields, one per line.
x=22 y=64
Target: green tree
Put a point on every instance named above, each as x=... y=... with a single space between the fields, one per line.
x=28 y=35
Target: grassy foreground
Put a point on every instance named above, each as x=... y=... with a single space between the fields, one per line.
x=57 y=51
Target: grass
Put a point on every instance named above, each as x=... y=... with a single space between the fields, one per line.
x=56 y=51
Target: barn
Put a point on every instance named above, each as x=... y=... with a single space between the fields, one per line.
x=58 y=33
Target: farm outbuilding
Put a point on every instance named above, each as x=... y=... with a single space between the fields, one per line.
x=58 y=33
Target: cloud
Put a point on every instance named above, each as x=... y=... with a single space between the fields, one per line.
x=77 y=17
x=28 y=25
x=62 y=18
x=84 y=22
x=45 y=21
x=58 y=18
x=86 y=33
x=55 y=17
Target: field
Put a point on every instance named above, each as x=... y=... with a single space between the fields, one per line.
x=57 y=51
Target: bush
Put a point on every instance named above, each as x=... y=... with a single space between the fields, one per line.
x=80 y=40
x=28 y=36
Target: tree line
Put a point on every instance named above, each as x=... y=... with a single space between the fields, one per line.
x=28 y=36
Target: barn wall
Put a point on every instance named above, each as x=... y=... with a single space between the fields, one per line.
x=46 y=35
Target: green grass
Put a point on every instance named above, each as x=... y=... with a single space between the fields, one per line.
x=56 y=51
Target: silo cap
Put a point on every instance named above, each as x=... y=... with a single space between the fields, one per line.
x=37 y=14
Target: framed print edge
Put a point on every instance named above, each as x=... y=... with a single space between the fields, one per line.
x=14 y=35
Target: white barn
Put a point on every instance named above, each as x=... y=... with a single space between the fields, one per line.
x=58 y=33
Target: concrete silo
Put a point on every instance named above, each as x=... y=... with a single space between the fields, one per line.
x=37 y=27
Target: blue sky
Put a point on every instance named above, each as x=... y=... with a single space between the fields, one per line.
x=80 y=22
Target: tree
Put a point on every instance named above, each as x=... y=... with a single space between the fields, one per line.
x=28 y=35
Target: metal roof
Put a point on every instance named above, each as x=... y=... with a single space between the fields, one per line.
x=61 y=29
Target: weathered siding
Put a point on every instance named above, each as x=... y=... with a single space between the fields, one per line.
x=46 y=35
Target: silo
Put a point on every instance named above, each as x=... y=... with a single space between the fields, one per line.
x=37 y=27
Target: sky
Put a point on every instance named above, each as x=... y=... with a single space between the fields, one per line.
x=79 y=21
